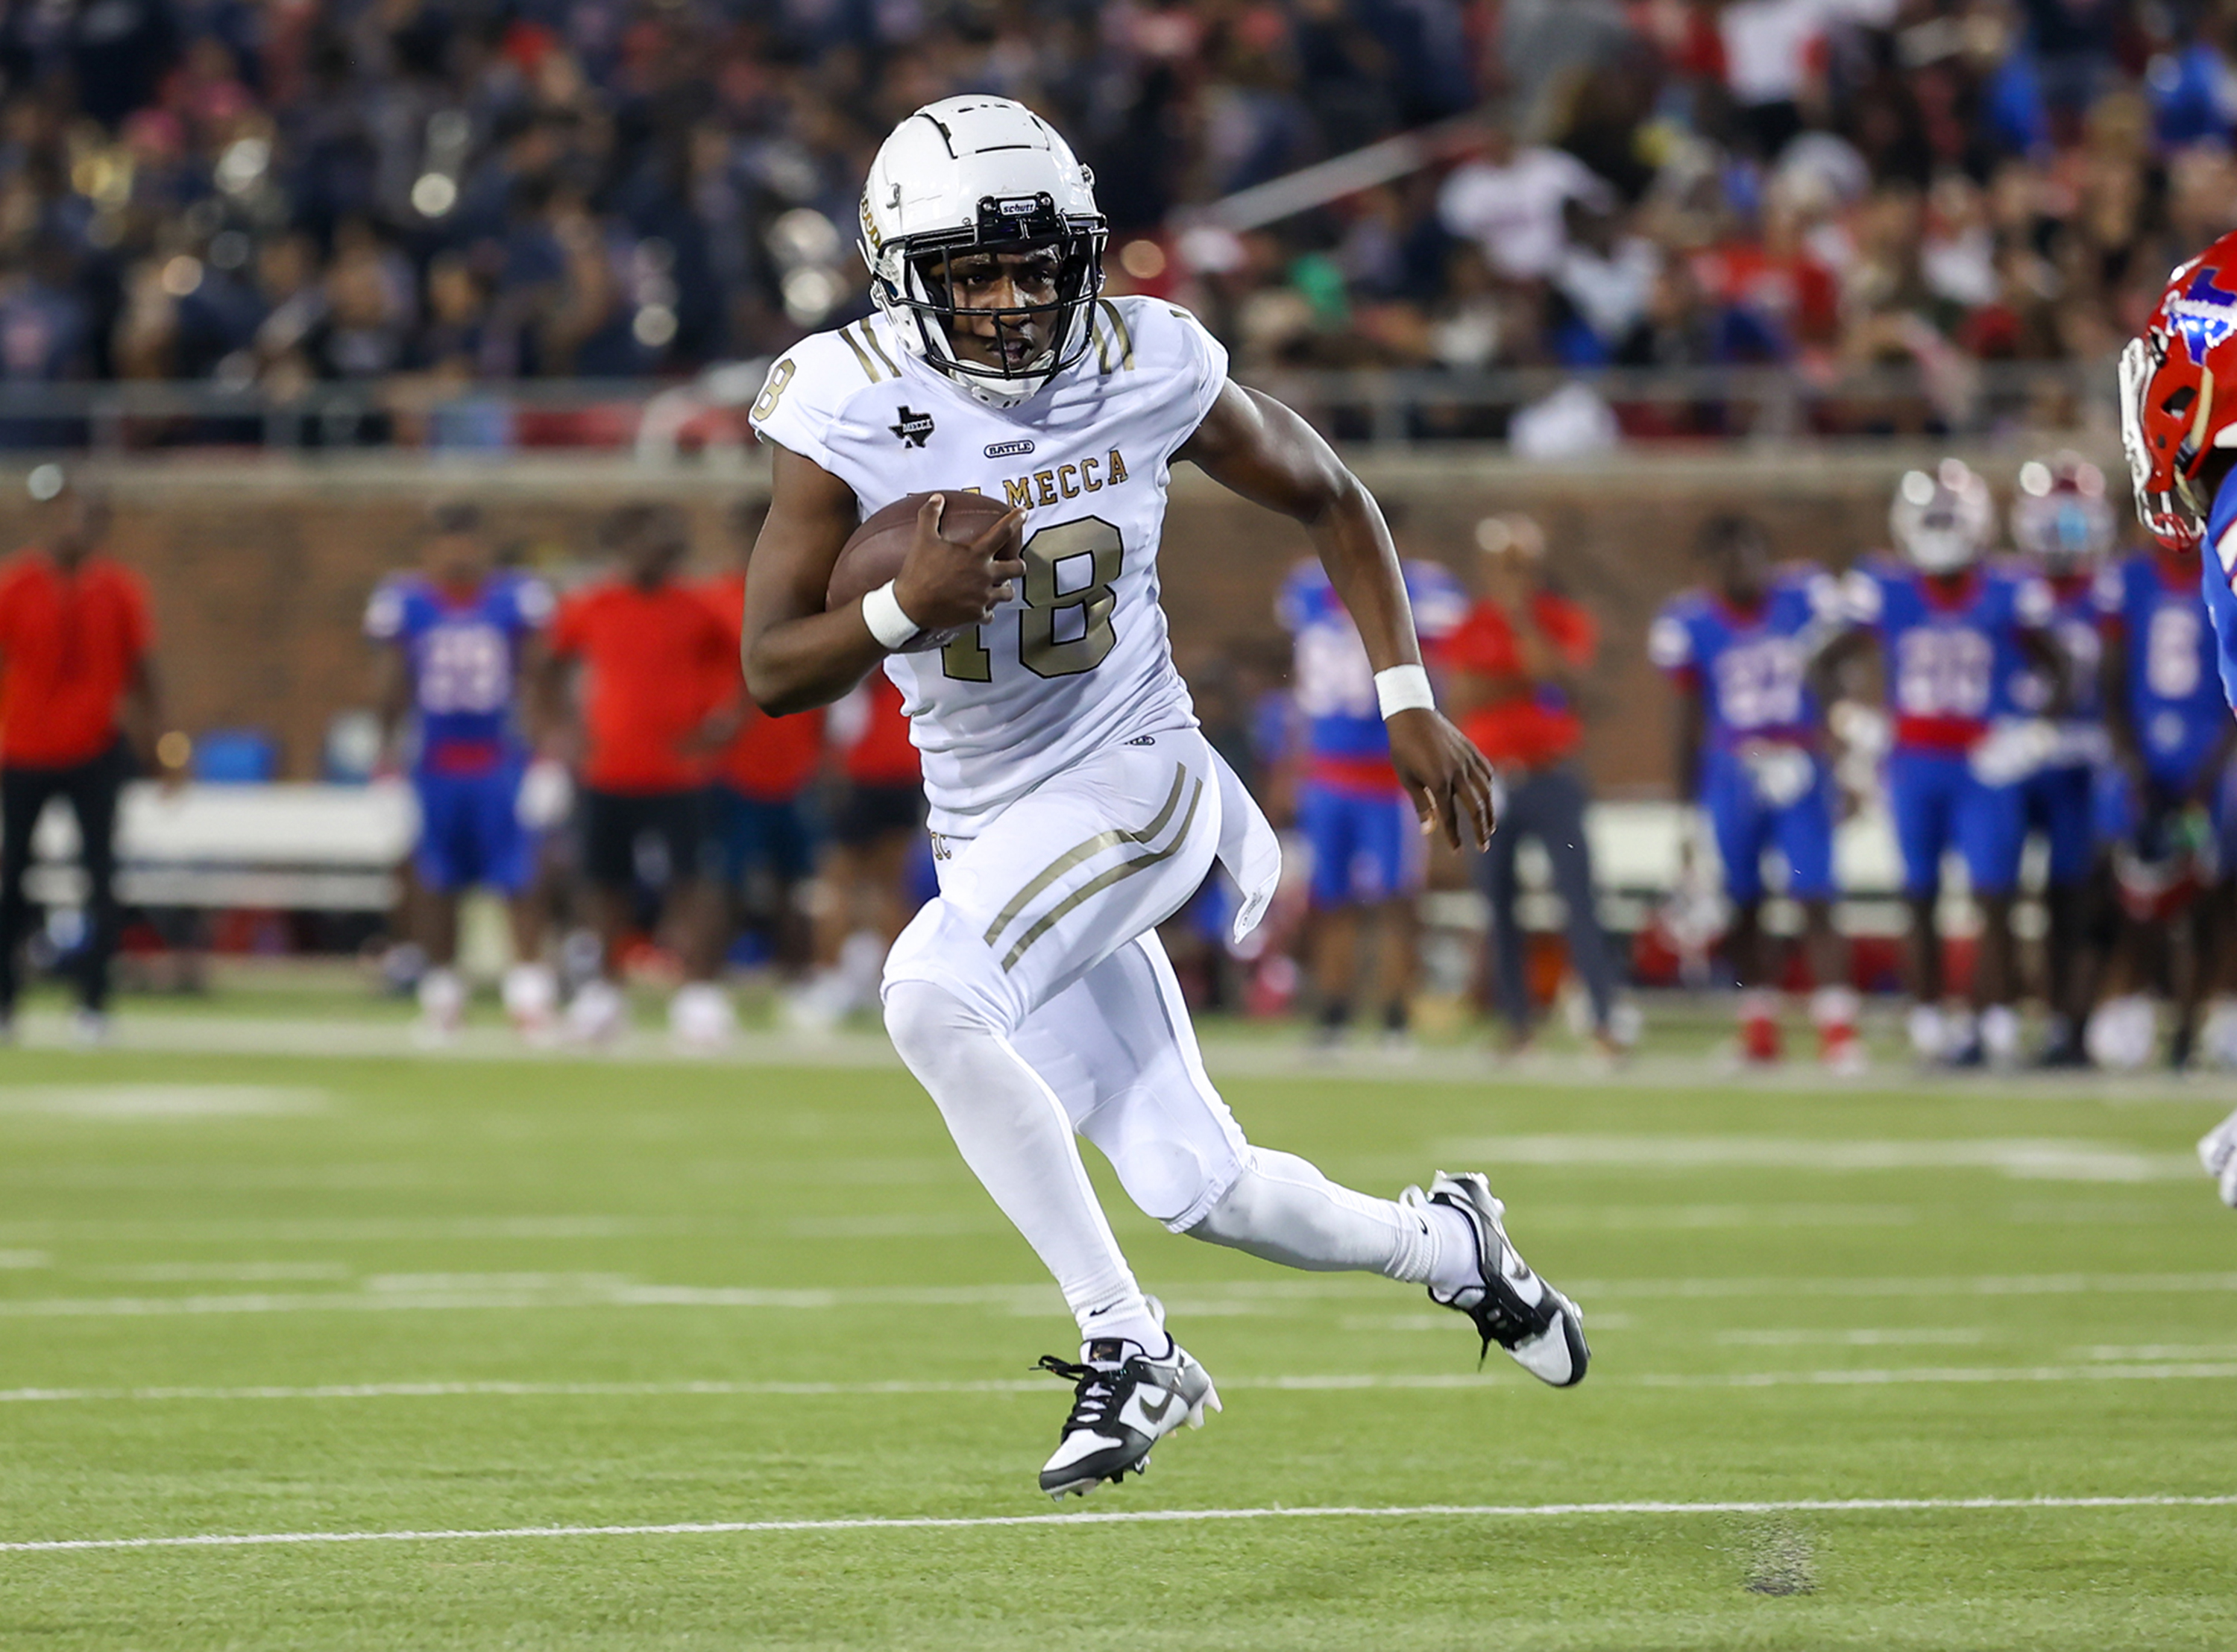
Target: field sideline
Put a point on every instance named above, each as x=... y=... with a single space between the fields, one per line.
x=339 y=1348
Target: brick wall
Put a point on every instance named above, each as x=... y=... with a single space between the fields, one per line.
x=260 y=570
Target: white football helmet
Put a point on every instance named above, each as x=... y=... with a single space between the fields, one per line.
x=1943 y=521
x=981 y=174
x=2062 y=517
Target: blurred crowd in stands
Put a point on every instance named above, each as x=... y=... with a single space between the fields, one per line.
x=433 y=194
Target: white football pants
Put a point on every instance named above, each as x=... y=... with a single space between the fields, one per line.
x=1033 y=999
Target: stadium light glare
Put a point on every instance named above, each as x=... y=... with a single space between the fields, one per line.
x=1142 y=260
x=183 y=276
x=804 y=236
x=241 y=168
x=433 y=194
x=809 y=295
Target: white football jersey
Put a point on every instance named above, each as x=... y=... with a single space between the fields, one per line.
x=1080 y=660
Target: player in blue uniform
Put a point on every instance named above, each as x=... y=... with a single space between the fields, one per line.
x=1368 y=855
x=455 y=637
x=2172 y=737
x=2180 y=439
x=2062 y=524
x=1953 y=635
x=1751 y=752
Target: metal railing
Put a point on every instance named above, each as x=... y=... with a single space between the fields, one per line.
x=658 y=420
x=1958 y=398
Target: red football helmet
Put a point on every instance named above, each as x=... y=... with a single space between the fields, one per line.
x=2179 y=394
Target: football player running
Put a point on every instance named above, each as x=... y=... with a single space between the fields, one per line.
x=1074 y=804
x=2180 y=438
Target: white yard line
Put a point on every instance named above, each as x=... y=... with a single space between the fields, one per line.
x=1210 y=1297
x=369 y=1229
x=133 y=1103
x=1867 y=1378
x=2164 y=1372
x=1145 y=1517
x=1916 y=1284
x=1279 y=1059
x=2026 y=1158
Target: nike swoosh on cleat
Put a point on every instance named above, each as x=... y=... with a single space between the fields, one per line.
x=1155 y=1413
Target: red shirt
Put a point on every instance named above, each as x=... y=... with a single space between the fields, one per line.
x=1522 y=725
x=773 y=758
x=882 y=755
x=656 y=663
x=68 y=646
x=1796 y=291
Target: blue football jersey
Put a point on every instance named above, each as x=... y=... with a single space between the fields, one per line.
x=462 y=650
x=2173 y=683
x=1951 y=661
x=2218 y=582
x=1332 y=677
x=1751 y=669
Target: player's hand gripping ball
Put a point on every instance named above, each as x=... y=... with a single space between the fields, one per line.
x=953 y=562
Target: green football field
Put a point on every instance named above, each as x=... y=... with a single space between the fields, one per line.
x=336 y=1348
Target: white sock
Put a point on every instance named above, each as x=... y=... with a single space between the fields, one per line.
x=1012 y=1132
x=2000 y=1032
x=1929 y=1034
x=1458 y=1263
x=442 y=995
x=1283 y=1210
x=1833 y=1007
x=532 y=991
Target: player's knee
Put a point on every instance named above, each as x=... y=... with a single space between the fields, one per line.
x=1168 y=1181
x=939 y=949
x=923 y=1019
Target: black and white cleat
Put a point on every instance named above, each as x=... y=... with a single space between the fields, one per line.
x=1513 y=1307
x=1124 y=1400
x=2217 y=1151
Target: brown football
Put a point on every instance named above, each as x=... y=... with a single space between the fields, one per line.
x=876 y=551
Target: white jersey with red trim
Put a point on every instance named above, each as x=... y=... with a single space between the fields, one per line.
x=1080 y=660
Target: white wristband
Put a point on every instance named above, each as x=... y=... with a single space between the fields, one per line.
x=1403 y=688
x=881 y=612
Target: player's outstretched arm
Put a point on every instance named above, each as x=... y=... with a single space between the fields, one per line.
x=1255 y=446
x=796 y=656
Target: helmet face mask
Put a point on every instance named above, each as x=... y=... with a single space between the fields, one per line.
x=985 y=245
x=1049 y=273
x=2166 y=505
